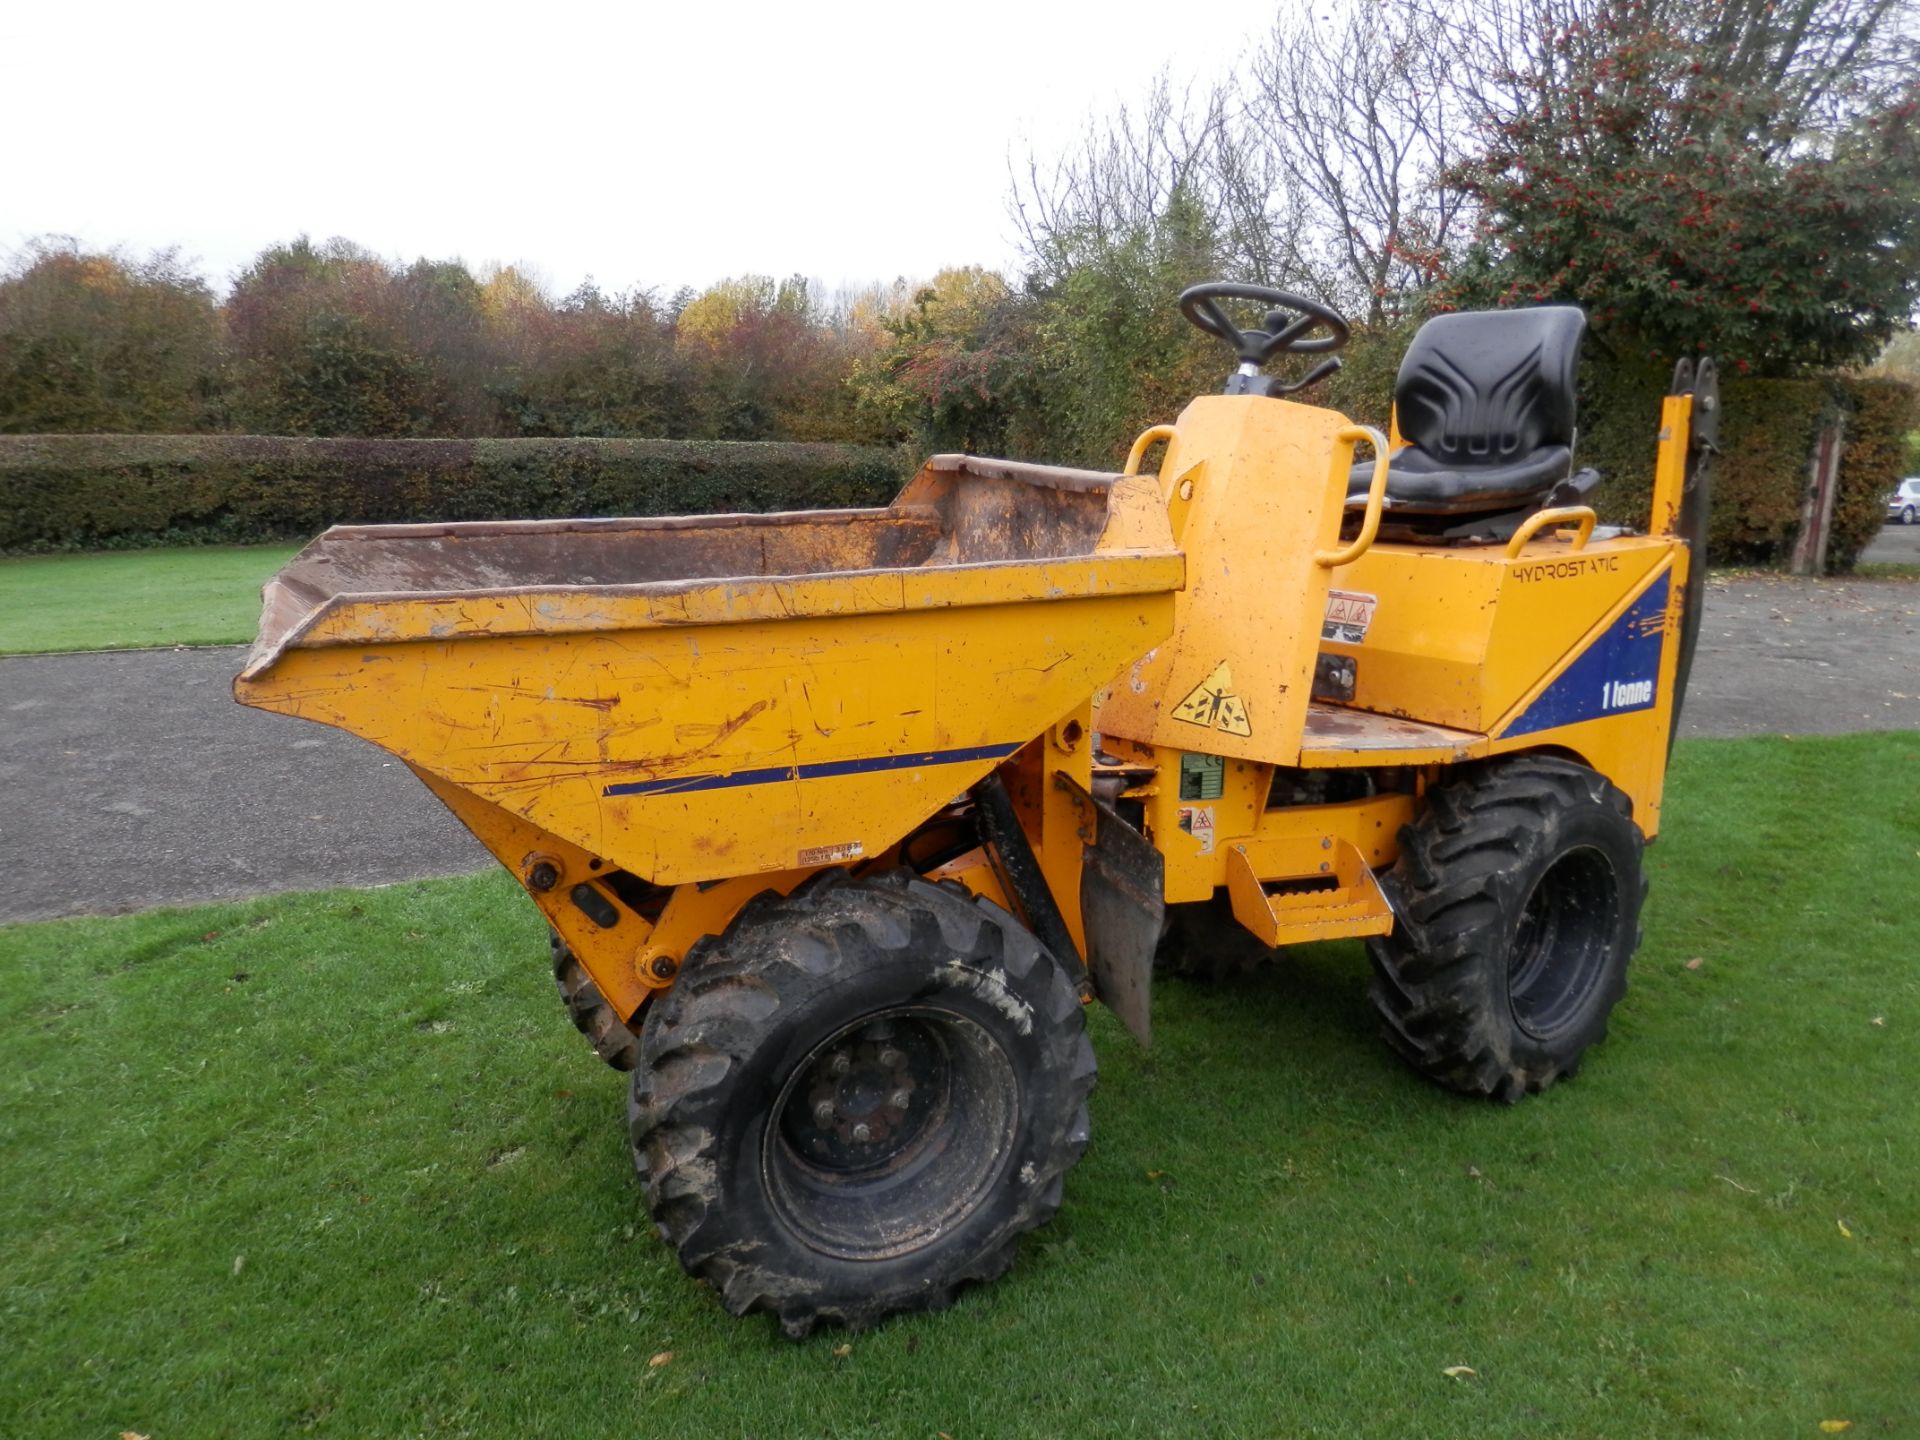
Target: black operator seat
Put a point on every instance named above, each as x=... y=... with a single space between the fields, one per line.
x=1486 y=404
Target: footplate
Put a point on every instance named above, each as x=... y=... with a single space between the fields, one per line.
x=1296 y=890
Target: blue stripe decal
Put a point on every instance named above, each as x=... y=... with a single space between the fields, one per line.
x=1616 y=675
x=820 y=770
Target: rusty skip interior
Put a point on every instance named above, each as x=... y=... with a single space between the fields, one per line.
x=957 y=511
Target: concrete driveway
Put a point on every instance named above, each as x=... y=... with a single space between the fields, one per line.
x=131 y=778
x=1894 y=545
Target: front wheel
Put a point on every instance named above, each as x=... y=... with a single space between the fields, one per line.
x=1908 y=516
x=1517 y=901
x=858 y=1098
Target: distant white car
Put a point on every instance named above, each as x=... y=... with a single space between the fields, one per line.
x=1904 y=504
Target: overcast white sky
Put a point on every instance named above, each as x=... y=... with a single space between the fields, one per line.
x=643 y=144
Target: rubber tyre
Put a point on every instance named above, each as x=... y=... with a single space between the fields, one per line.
x=1517 y=898
x=1202 y=942
x=726 y=1050
x=1908 y=516
x=592 y=1016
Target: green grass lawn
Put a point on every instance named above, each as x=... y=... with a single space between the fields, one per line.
x=204 y=595
x=337 y=1163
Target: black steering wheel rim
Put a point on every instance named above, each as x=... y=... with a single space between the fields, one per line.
x=1284 y=334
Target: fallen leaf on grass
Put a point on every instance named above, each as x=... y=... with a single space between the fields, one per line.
x=1845 y=1234
x=661 y=1359
x=1696 y=962
x=840 y=1352
x=1879 y=1020
x=1834 y=1427
x=1459 y=1372
x=1156 y=1174
x=239 y=1263
x=131 y=1435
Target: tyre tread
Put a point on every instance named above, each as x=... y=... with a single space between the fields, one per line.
x=1460 y=868
x=672 y=1124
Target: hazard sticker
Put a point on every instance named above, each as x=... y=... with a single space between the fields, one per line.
x=1197 y=821
x=1213 y=704
x=1349 y=613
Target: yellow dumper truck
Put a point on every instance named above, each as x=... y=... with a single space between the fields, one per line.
x=837 y=818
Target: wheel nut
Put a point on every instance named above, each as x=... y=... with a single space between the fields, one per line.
x=823 y=1113
x=841 y=1063
x=900 y=1099
x=862 y=1134
x=889 y=1057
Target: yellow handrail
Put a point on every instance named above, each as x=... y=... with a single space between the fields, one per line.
x=1350 y=437
x=1581 y=515
x=1148 y=439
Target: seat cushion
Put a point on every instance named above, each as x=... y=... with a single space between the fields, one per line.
x=1485 y=402
x=1418 y=483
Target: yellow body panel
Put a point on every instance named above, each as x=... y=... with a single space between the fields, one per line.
x=725 y=734
x=732 y=703
x=1255 y=493
x=1459 y=635
x=682 y=754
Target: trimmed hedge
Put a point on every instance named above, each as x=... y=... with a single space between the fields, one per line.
x=93 y=492
x=1884 y=412
x=1768 y=430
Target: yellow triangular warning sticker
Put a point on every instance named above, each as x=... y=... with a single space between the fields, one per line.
x=1213 y=704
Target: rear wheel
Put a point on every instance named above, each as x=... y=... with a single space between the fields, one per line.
x=1202 y=941
x=1517 y=901
x=592 y=1016
x=858 y=1098
x=1908 y=516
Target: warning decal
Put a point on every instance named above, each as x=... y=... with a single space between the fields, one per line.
x=1197 y=821
x=1349 y=613
x=1213 y=704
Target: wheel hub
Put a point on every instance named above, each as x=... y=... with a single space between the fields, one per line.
x=890 y=1132
x=867 y=1097
x=1560 y=949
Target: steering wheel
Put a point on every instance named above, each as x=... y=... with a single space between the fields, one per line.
x=1290 y=319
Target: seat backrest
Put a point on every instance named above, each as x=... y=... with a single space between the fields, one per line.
x=1486 y=387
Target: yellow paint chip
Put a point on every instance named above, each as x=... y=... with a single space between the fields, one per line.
x=1213 y=704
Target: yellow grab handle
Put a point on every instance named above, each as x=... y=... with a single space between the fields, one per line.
x=1581 y=515
x=1346 y=440
x=1148 y=439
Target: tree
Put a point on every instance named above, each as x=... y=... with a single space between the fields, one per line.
x=319 y=346
x=592 y=364
x=950 y=367
x=1358 y=118
x=93 y=341
x=770 y=363
x=1738 y=178
x=1313 y=170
